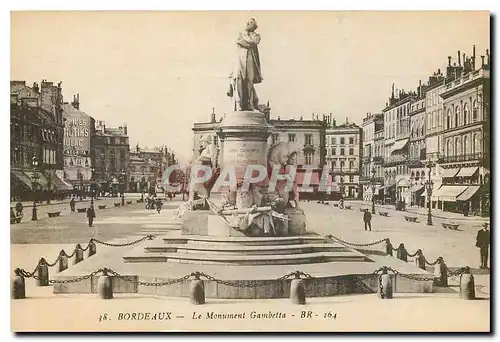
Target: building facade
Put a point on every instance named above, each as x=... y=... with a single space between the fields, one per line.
x=370 y=169
x=343 y=157
x=36 y=125
x=79 y=157
x=397 y=133
x=112 y=157
x=417 y=151
x=466 y=138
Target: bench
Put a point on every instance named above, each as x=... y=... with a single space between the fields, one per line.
x=348 y=207
x=140 y=201
x=383 y=213
x=450 y=225
x=117 y=204
x=336 y=205
x=129 y=202
x=362 y=210
x=54 y=214
x=102 y=206
x=411 y=219
x=82 y=210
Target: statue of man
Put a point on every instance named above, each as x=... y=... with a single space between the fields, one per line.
x=247 y=72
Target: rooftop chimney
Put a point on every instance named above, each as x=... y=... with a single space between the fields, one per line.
x=449 y=60
x=482 y=61
x=488 y=56
x=76 y=101
x=212 y=116
x=35 y=87
x=473 y=57
x=459 y=63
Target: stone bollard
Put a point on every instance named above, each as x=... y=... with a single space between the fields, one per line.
x=385 y=285
x=43 y=273
x=440 y=273
x=92 y=248
x=402 y=253
x=388 y=247
x=197 y=291
x=18 y=286
x=420 y=260
x=63 y=261
x=297 y=291
x=78 y=254
x=467 y=290
x=105 y=286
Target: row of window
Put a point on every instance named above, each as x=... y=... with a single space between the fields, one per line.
x=49 y=156
x=293 y=138
x=462 y=145
x=21 y=156
x=461 y=115
x=333 y=141
x=341 y=166
x=343 y=179
x=342 y=151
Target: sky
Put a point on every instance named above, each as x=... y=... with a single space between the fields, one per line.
x=159 y=72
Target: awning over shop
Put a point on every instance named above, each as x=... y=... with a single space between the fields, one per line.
x=416 y=187
x=450 y=173
x=398 y=145
x=22 y=178
x=449 y=193
x=40 y=179
x=60 y=183
x=468 y=193
x=467 y=171
x=435 y=191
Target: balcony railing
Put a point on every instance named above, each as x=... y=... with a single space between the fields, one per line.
x=395 y=160
x=463 y=158
x=365 y=179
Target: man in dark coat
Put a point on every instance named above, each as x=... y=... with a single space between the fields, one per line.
x=91 y=215
x=72 y=204
x=483 y=243
x=367 y=218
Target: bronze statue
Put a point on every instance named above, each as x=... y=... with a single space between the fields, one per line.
x=247 y=72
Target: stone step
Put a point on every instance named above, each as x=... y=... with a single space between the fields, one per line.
x=232 y=249
x=242 y=260
x=246 y=241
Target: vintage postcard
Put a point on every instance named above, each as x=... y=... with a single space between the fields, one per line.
x=255 y=171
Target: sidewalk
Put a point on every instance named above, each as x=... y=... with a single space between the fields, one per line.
x=445 y=215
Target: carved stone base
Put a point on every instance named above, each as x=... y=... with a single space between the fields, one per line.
x=217 y=227
x=296 y=223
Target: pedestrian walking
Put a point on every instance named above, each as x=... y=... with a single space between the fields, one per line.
x=19 y=209
x=483 y=243
x=341 y=203
x=91 y=215
x=158 y=205
x=72 y=204
x=367 y=218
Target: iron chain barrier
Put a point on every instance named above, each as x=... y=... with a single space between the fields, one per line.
x=356 y=244
x=126 y=244
x=200 y=275
x=380 y=241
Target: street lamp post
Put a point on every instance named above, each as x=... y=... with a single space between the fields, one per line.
x=142 y=185
x=123 y=186
x=341 y=184
x=34 y=163
x=373 y=190
x=93 y=185
x=429 y=194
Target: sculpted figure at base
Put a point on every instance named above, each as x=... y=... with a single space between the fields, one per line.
x=208 y=157
x=247 y=71
x=283 y=157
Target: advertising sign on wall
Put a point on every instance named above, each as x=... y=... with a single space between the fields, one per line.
x=77 y=144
